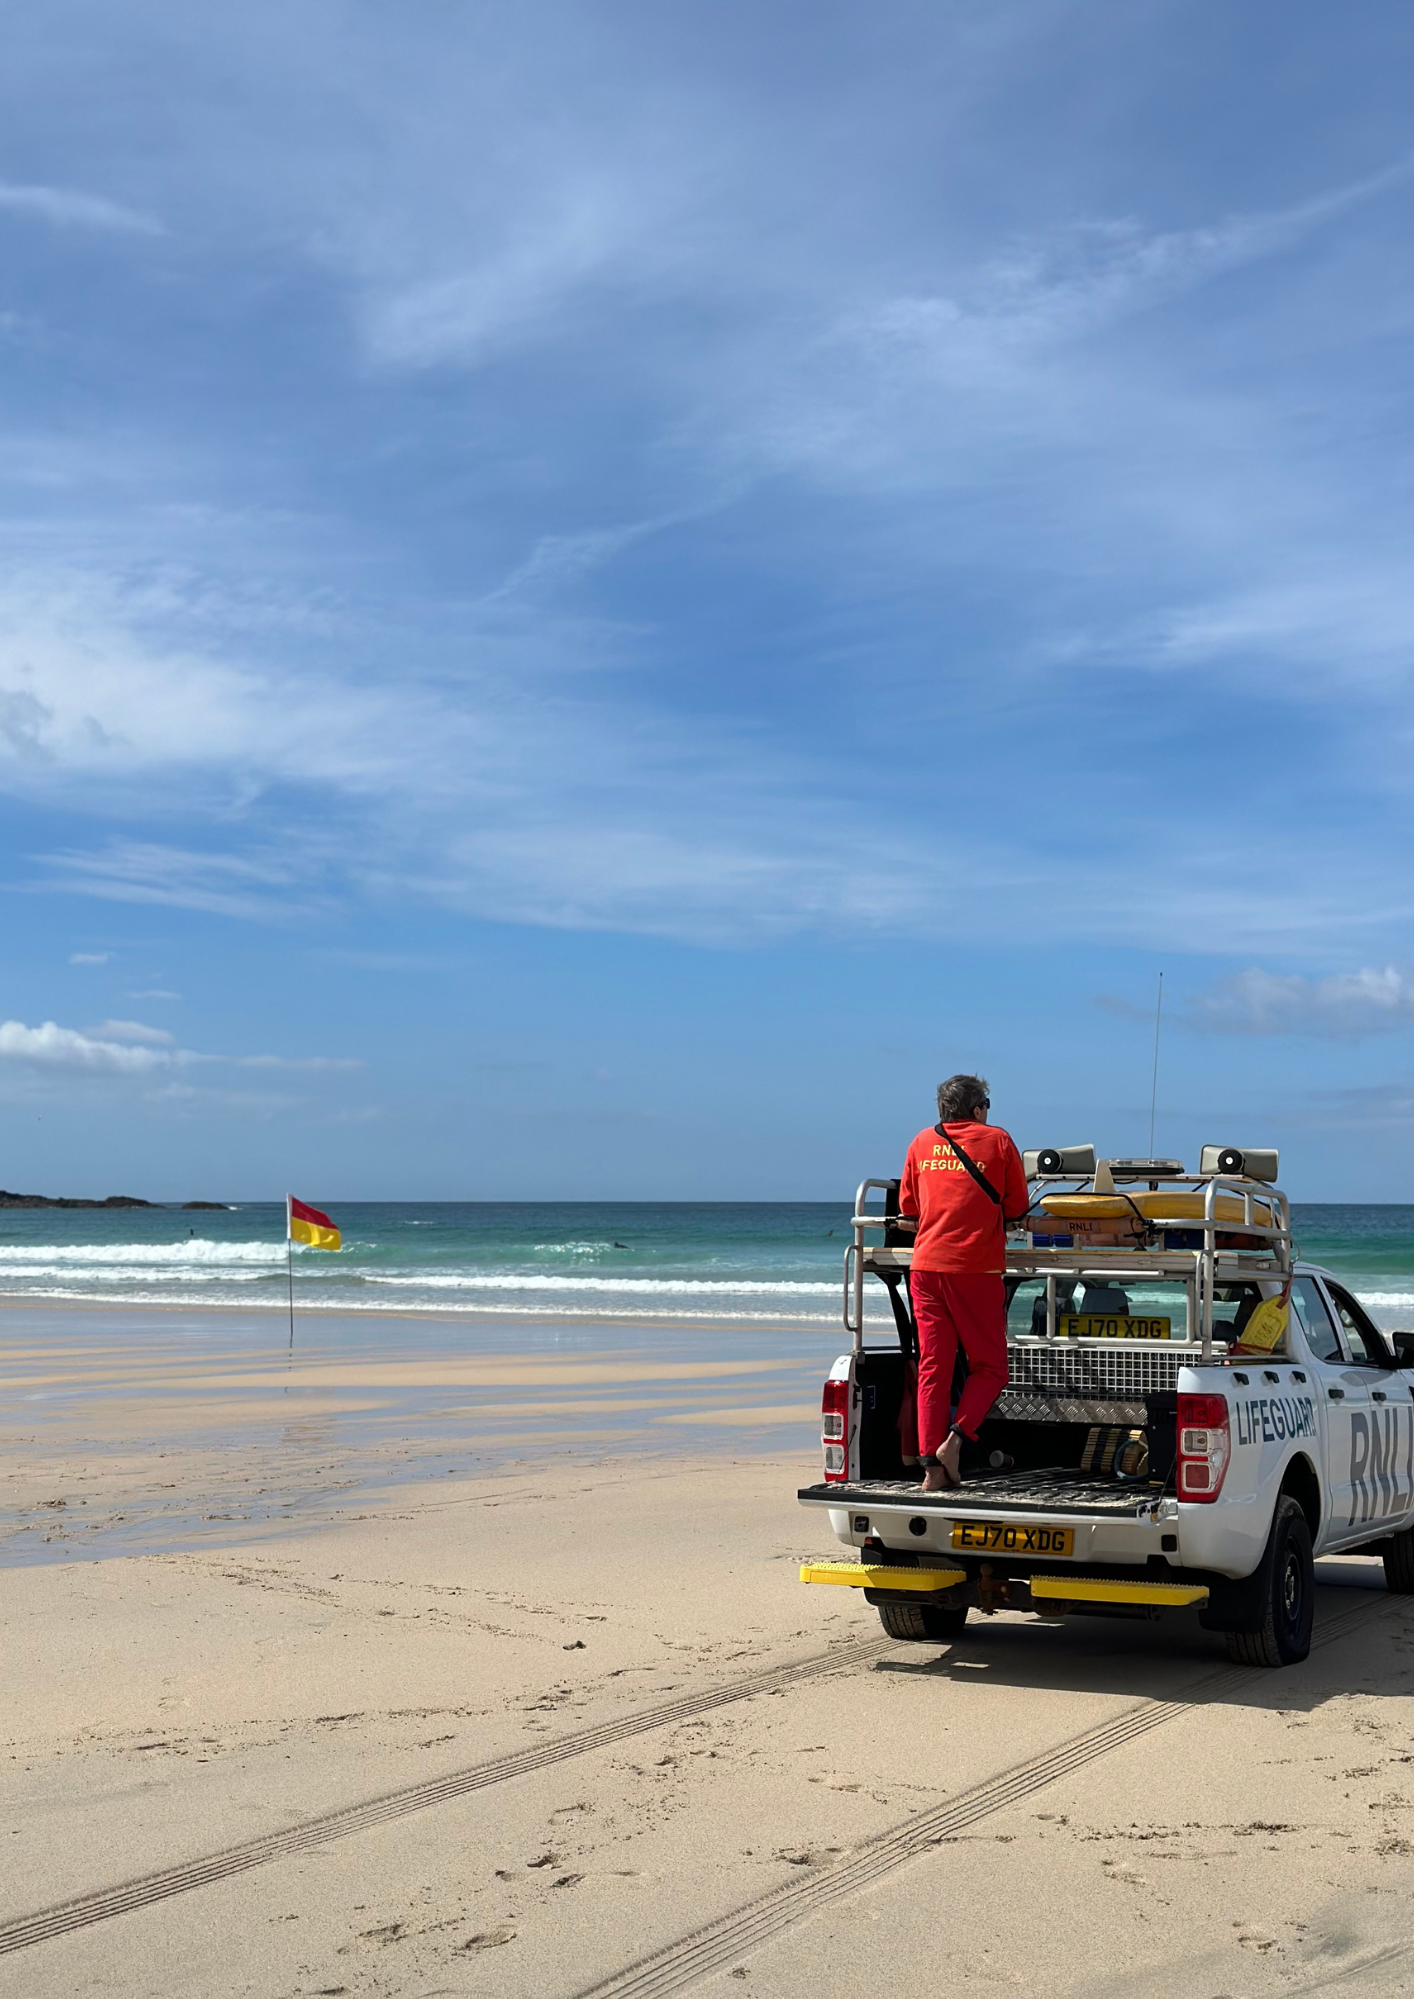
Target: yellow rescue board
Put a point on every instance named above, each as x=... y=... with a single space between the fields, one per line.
x=1106 y=1590
x=1227 y=1208
x=881 y=1576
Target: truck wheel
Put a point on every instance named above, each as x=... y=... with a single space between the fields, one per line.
x=922 y=1621
x=1399 y=1562
x=1287 y=1600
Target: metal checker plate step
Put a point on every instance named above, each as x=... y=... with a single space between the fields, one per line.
x=1021 y=1405
x=1004 y=1492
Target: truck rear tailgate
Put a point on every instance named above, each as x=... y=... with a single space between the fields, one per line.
x=1003 y=1492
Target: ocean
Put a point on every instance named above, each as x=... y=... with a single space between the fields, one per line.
x=531 y=1335
x=747 y=1263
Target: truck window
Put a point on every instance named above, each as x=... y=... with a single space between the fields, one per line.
x=1152 y=1309
x=1362 y=1337
x=1233 y=1306
x=1315 y=1320
x=1026 y=1307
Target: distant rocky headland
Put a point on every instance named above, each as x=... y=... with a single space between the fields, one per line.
x=8 y=1200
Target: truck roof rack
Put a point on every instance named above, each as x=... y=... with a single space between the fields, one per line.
x=1249 y=1239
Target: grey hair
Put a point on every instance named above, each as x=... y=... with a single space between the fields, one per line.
x=960 y=1096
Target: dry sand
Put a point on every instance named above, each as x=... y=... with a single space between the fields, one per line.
x=1215 y=1832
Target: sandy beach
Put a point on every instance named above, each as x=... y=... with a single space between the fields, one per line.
x=569 y=1724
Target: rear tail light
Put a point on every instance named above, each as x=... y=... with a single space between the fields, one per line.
x=834 y=1417
x=1204 y=1446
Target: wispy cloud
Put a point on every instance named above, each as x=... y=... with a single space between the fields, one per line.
x=91 y=957
x=1087 y=276
x=514 y=287
x=127 y=1048
x=132 y=1031
x=199 y=1101
x=292 y=1062
x=264 y=888
x=67 y=208
x=1347 y=1006
x=940 y=455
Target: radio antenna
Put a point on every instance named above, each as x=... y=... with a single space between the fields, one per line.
x=1154 y=1093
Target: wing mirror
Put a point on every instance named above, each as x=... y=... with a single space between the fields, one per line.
x=1403 y=1345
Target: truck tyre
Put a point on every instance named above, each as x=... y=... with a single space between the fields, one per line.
x=1399 y=1562
x=1286 y=1583
x=923 y=1621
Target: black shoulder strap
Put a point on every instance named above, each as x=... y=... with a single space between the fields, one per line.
x=971 y=1166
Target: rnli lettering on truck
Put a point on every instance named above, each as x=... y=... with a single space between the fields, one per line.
x=1379 y=1440
x=1274 y=1419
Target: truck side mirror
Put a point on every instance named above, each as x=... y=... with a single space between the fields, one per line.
x=1403 y=1345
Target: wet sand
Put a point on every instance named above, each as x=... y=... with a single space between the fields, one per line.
x=144 y=1430
x=587 y=1732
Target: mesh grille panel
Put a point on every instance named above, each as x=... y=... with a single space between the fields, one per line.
x=1097 y=1373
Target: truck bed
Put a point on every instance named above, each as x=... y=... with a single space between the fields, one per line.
x=1059 y=1492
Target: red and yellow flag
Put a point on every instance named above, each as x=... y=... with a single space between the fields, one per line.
x=310 y=1225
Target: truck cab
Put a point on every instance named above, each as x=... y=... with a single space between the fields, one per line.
x=1193 y=1414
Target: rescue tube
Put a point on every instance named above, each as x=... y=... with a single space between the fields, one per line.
x=1183 y=1207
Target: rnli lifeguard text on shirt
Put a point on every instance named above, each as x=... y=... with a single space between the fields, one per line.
x=949 y=1163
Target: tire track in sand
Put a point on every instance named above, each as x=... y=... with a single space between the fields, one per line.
x=141 y=1891
x=717 y=1947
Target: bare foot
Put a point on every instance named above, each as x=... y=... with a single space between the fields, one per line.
x=934 y=1480
x=950 y=1460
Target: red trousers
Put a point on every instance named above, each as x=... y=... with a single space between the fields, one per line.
x=949 y=1306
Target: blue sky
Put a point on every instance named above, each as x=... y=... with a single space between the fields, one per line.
x=594 y=596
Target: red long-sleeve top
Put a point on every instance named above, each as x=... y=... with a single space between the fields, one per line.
x=959 y=1227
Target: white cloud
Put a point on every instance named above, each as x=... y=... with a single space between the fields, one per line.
x=91 y=957
x=1344 y=1007
x=155 y=993
x=132 y=1031
x=52 y=1047
x=68 y=209
x=131 y=1048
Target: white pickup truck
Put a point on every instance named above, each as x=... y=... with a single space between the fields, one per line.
x=1144 y=1456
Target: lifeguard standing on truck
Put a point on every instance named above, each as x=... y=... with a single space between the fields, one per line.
x=964 y=1182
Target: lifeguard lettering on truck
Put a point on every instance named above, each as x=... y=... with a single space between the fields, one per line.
x=1193 y=1415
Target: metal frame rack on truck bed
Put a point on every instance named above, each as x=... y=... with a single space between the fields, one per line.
x=1122 y=1470
x=1198 y=1268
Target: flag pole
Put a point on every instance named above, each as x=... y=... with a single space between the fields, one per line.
x=290 y=1270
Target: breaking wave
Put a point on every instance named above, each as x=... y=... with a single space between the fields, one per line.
x=549 y=1281
x=191 y=1250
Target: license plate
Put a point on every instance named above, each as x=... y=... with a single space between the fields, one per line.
x=1112 y=1326
x=1013 y=1538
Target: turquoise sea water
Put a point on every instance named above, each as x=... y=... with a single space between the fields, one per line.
x=776 y=1261
x=762 y=1263
x=696 y=1329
